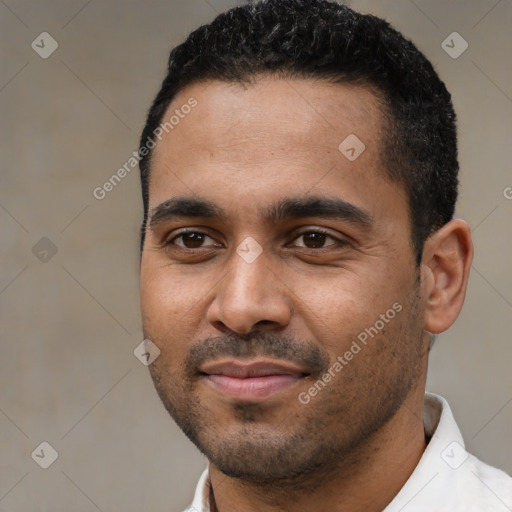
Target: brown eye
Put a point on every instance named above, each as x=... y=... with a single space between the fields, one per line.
x=314 y=239
x=190 y=240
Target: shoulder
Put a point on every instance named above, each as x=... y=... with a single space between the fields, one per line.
x=493 y=481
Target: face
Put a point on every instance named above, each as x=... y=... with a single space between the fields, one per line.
x=277 y=277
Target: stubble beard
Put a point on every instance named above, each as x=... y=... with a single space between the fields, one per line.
x=317 y=440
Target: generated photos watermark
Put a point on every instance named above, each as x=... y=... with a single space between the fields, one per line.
x=180 y=113
x=356 y=347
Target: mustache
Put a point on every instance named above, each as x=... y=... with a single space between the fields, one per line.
x=257 y=344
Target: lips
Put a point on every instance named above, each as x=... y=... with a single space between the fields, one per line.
x=244 y=369
x=254 y=380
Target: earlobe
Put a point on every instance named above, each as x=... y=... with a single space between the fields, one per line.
x=446 y=263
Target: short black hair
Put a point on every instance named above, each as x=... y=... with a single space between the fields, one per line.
x=321 y=39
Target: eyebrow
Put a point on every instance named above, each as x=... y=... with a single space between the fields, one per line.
x=292 y=207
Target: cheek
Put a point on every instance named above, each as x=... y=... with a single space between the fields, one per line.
x=337 y=312
x=166 y=295
x=171 y=311
x=152 y=306
x=338 y=308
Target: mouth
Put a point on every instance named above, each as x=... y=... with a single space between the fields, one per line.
x=252 y=380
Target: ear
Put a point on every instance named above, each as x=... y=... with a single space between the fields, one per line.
x=445 y=266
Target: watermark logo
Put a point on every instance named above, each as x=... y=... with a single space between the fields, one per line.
x=146 y=352
x=44 y=250
x=351 y=147
x=249 y=249
x=44 y=45
x=454 y=455
x=454 y=45
x=44 y=455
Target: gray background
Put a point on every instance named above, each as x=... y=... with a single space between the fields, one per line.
x=70 y=321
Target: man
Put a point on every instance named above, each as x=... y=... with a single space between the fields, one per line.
x=298 y=255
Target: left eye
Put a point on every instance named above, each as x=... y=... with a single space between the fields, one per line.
x=315 y=239
x=191 y=240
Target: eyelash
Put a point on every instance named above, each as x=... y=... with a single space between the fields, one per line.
x=338 y=241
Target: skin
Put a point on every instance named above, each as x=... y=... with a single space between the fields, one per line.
x=304 y=299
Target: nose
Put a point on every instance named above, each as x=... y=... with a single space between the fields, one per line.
x=250 y=295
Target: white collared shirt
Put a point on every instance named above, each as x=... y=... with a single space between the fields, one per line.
x=446 y=479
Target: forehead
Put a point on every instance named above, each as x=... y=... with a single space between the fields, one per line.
x=285 y=114
x=274 y=136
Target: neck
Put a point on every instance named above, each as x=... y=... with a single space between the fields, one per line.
x=367 y=481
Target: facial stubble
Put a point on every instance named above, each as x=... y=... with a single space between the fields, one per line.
x=263 y=446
